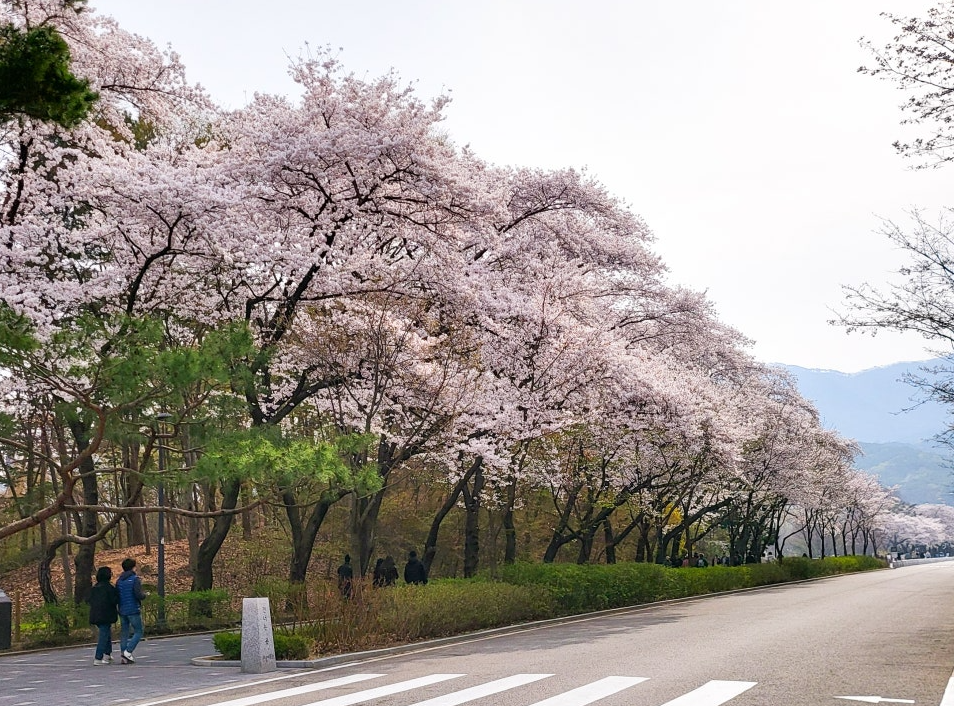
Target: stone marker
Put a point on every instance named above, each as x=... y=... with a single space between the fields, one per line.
x=258 y=647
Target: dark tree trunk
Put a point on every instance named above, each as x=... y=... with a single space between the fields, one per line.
x=247 y=514
x=84 y=559
x=510 y=530
x=364 y=522
x=472 y=502
x=609 y=539
x=45 y=574
x=303 y=536
x=587 y=538
x=202 y=579
x=562 y=534
x=430 y=544
x=132 y=496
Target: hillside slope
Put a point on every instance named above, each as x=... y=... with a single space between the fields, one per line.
x=879 y=410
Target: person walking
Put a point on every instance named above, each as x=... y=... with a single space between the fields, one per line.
x=346 y=577
x=103 y=613
x=389 y=571
x=378 y=574
x=414 y=570
x=131 y=595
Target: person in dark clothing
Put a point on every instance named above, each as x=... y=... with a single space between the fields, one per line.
x=103 y=613
x=389 y=571
x=131 y=596
x=377 y=576
x=346 y=577
x=414 y=570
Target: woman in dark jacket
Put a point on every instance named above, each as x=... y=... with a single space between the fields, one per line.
x=103 y=612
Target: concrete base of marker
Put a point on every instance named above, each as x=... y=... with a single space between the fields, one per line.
x=258 y=647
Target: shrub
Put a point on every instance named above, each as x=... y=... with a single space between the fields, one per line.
x=229 y=644
x=292 y=646
x=453 y=606
x=287 y=645
x=578 y=588
x=192 y=610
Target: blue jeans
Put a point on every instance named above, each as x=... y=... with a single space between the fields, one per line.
x=127 y=624
x=104 y=643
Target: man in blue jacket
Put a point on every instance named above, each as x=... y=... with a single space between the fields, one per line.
x=129 y=586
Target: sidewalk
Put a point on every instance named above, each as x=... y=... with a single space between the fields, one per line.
x=67 y=675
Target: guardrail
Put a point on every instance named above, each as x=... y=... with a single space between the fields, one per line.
x=896 y=563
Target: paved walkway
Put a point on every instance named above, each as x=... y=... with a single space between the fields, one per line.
x=67 y=676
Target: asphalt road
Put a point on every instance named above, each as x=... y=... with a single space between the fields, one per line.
x=882 y=637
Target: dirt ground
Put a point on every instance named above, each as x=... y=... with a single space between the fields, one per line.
x=22 y=584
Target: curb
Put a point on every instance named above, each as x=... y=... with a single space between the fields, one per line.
x=92 y=643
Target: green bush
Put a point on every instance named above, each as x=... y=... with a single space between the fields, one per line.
x=192 y=610
x=287 y=645
x=292 y=646
x=229 y=644
x=452 y=606
x=53 y=624
x=579 y=588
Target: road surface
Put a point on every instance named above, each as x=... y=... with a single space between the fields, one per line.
x=879 y=637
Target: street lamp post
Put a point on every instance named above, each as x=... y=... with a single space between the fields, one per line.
x=161 y=533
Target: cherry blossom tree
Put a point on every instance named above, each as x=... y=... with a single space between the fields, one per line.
x=62 y=338
x=919 y=61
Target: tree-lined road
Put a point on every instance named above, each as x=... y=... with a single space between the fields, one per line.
x=885 y=636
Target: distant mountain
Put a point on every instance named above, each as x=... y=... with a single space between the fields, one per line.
x=880 y=411
x=922 y=472
x=873 y=405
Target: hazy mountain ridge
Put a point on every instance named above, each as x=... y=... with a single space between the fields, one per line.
x=873 y=405
x=922 y=472
x=894 y=429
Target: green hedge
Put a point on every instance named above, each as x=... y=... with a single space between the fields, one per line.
x=579 y=588
x=452 y=606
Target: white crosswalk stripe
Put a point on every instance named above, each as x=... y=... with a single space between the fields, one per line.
x=387 y=690
x=591 y=692
x=481 y=690
x=712 y=693
x=297 y=690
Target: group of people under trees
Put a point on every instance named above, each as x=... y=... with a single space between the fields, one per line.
x=700 y=561
x=385 y=573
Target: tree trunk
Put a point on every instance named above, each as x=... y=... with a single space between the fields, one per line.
x=202 y=579
x=586 y=545
x=510 y=530
x=430 y=544
x=247 y=514
x=472 y=502
x=303 y=537
x=609 y=541
x=132 y=495
x=364 y=521
x=85 y=557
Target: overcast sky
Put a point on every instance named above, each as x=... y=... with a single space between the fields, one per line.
x=739 y=130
